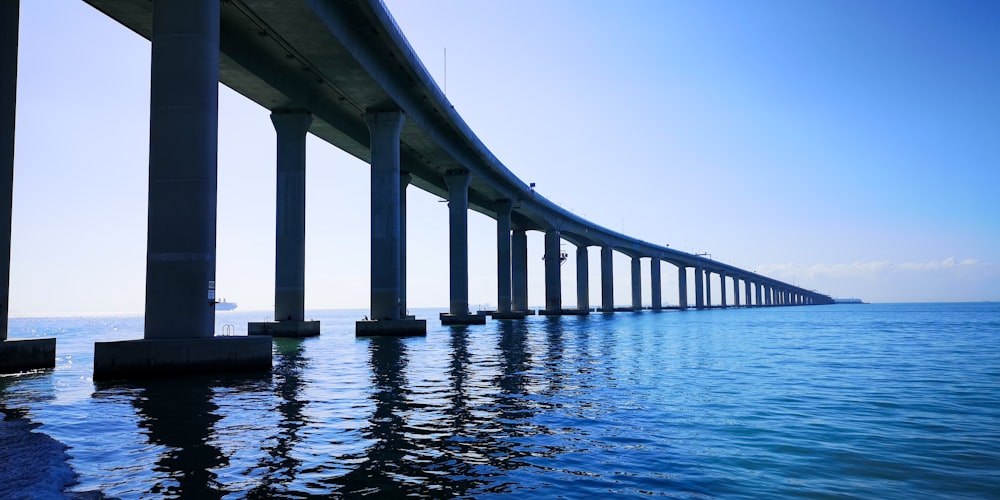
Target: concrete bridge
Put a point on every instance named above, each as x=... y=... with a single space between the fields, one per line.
x=343 y=71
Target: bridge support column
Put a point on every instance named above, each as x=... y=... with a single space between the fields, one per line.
x=682 y=288
x=699 y=288
x=404 y=182
x=607 y=279
x=747 y=295
x=290 y=232
x=636 y=283
x=504 y=286
x=736 y=291
x=582 y=279
x=722 y=289
x=708 y=288
x=760 y=295
x=180 y=245
x=654 y=280
x=519 y=271
x=458 y=222
x=27 y=354
x=553 y=276
x=387 y=318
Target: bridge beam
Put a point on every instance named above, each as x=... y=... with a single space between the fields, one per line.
x=458 y=248
x=387 y=316
x=180 y=248
x=553 y=276
x=655 y=285
x=636 y=283
x=290 y=231
x=607 y=279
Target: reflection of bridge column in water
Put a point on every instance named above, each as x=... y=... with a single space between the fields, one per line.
x=181 y=418
x=278 y=460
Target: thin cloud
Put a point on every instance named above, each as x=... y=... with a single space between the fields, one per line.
x=859 y=269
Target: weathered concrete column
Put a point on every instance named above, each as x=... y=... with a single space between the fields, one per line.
x=656 y=287
x=504 y=300
x=519 y=269
x=682 y=288
x=180 y=245
x=290 y=231
x=553 y=276
x=582 y=279
x=636 y=283
x=760 y=295
x=15 y=355
x=387 y=314
x=458 y=245
x=747 y=296
x=607 y=279
x=708 y=288
x=699 y=288
x=722 y=289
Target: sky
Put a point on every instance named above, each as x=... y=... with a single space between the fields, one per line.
x=846 y=146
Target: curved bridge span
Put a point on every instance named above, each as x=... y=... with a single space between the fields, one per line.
x=343 y=71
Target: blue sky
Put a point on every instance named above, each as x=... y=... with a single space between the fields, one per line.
x=849 y=147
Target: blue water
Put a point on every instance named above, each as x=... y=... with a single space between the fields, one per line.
x=863 y=401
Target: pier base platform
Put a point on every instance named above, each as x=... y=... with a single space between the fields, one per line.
x=510 y=315
x=463 y=319
x=390 y=327
x=27 y=354
x=284 y=328
x=158 y=358
x=564 y=312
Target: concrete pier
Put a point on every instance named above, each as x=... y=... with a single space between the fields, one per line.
x=582 y=279
x=636 y=283
x=505 y=299
x=132 y=359
x=708 y=288
x=404 y=182
x=28 y=354
x=699 y=288
x=458 y=245
x=553 y=273
x=519 y=271
x=180 y=250
x=736 y=291
x=722 y=289
x=682 y=288
x=655 y=286
x=290 y=231
x=607 y=279
x=387 y=316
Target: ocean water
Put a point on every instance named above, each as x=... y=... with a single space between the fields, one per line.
x=839 y=401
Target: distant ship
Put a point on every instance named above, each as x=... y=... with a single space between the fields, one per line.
x=222 y=305
x=848 y=301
